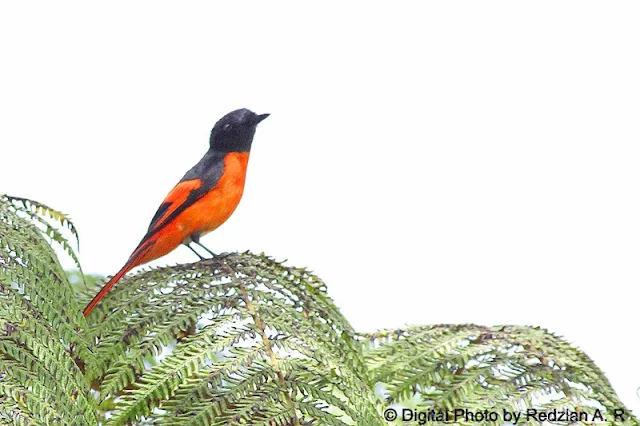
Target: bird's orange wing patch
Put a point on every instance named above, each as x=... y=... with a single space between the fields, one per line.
x=177 y=197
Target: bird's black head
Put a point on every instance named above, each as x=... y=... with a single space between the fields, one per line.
x=234 y=132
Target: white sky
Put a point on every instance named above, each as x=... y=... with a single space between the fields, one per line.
x=433 y=162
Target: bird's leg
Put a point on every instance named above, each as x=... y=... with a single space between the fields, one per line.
x=194 y=250
x=208 y=251
x=195 y=237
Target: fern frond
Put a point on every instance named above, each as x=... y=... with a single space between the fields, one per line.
x=475 y=367
x=11 y=414
x=17 y=396
x=37 y=213
x=27 y=261
x=241 y=326
x=42 y=348
x=46 y=372
x=28 y=268
x=39 y=209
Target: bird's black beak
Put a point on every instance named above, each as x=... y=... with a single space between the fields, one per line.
x=259 y=118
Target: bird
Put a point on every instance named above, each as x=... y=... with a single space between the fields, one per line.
x=204 y=198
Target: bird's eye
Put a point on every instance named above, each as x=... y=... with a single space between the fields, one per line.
x=226 y=127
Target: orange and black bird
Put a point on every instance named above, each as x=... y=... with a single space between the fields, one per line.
x=203 y=199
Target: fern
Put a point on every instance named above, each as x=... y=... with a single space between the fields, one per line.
x=468 y=366
x=42 y=345
x=242 y=339
x=38 y=212
x=258 y=321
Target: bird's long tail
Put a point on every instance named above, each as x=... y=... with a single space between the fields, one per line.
x=135 y=260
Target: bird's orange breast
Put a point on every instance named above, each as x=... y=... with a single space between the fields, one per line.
x=219 y=203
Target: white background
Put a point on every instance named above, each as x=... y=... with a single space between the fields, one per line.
x=434 y=163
